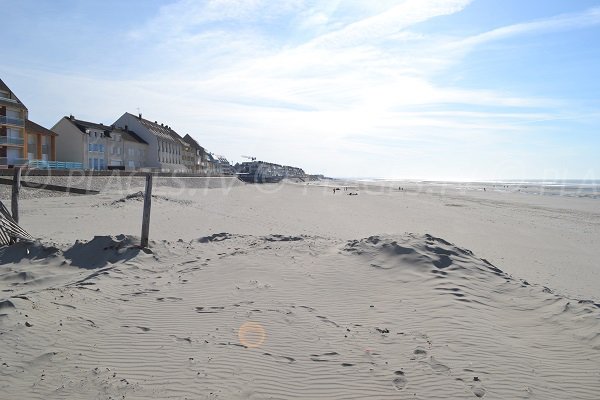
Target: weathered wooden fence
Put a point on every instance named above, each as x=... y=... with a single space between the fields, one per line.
x=10 y=231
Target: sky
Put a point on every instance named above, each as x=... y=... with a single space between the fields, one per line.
x=411 y=89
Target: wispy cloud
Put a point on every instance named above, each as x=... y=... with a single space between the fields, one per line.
x=326 y=78
x=390 y=22
x=555 y=24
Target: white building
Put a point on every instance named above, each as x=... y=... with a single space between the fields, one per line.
x=166 y=148
x=98 y=146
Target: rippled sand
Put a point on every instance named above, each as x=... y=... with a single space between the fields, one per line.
x=308 y=295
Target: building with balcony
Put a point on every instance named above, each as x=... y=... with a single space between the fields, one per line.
x=198 y=158
x=41 y=142
x=98 y=146
x=13 y=143
x=167 y=151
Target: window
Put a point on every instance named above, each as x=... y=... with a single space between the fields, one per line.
x=13 y=133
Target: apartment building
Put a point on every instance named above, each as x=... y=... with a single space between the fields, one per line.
x=98 y=146
x=13 y=115
x=21 y=140
x=199 y=159
x=167 y=151
x=41 y=142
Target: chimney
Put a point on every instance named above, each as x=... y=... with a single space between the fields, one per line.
x=140 y=116
x=71 y=117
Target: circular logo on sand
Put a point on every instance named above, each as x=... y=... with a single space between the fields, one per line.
x=252 y=334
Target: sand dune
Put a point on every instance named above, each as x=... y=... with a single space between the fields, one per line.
x=285 y=316
x=550 y=241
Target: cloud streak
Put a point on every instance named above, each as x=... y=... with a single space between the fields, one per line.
x=293 y=79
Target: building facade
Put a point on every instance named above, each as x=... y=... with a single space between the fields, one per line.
x=21 y=140
x=199 y=159
x=99 y=146
x=167 y=151
x=13 y=143
x=41 y=142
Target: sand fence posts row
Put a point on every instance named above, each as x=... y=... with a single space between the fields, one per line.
x=16 y=186
x=17 y=183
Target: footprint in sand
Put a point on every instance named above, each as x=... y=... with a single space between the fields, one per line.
x=419 y=353
x=142 y=328
x=323 y=357
x=478 y=391
x=182 y=339
x=477 y=388
x=281 y=359
x=208 y=310
x=437 y=366
x=328 y=321
x=400 y=381
x=169 y=298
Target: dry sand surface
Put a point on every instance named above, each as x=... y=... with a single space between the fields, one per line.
x=289 y=291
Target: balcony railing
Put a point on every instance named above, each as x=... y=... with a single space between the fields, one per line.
x=5 y=161
x=11 y=140
x=11 y=121
x=41 y=164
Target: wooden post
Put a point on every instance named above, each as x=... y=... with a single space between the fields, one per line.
x=16 y=186
x=147 y=205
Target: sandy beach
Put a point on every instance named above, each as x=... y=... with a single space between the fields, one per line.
x=292 y=291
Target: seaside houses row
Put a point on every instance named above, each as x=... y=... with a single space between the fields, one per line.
x=130 y=143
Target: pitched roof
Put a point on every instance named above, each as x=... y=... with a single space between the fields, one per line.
x=192 y=142
x=160 y=130
x=13 y=100
x=83 y=126
x=128 y=134
x=32 y=127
